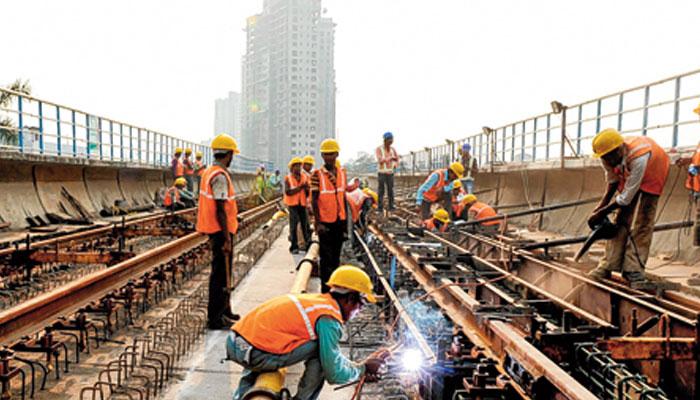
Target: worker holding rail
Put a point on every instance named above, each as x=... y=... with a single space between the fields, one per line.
x=290 y=329
x=218 y=217
x=360 y=202
x=636 y=168
x=329 y=208
x=692 y=183
x=438 y=187
x=296 y=193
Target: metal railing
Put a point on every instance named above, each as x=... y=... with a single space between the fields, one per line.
x=661 y=110
x=37 y=126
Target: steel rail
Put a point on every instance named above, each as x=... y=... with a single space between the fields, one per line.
x=498 y=338
x=34 y=314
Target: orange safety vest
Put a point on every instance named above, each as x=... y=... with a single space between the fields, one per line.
x=457 y=209
x=436 y=192
x=482 y=210
x=355 y=200
x=331 y=199
x=189 y=168
x=172 y=193
x=206 y=214
x=284 y=323
x=308 y=178
x=657 y=167
x=430 y=225
x=179 y=169
x=199 y=164
x=298 y=199
x=385 y=166
x=693 y=182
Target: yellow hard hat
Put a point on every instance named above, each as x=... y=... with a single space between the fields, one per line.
x=180 y=181
x=697 y=110
x=178 y=150
x=278 y=215
x=441 y=215
x=606 y=141
x=337 y=164
x=353 y=278
x=199 y=154
x=371 y=193
x=295 y=160
x=457 y=168
x=330 y=146
x=470 y=198
x=457 y=184
x=225 y=142
x=188 y=151
x=309 y=159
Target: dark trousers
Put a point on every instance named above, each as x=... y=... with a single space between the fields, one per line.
x=297 y=215
x=219 y=297
x=386 y=181
x=330 y=245
x=425 y=211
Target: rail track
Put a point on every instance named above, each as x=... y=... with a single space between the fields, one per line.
x=96 y=302
x=544 y=327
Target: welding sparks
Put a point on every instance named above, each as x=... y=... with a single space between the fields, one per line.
x=412 y=360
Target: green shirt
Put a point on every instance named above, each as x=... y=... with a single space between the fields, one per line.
x=337 y=368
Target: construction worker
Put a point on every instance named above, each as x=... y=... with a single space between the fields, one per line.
x=470 y=167
x=692 y=183
x=360 y=201
x=261 y=183
x=218 y=217
x=637 y=167
x=308 y=165
x=457 y=195
x=275 y=181
x=199 y=168
x=438 y=222
x=387 y=162
x=477 y=210
x=290 y=329
x=296 y=193
x=328 y=203
x=438 y=187
x=176 y=166
x=188 y=165
x=177 y=197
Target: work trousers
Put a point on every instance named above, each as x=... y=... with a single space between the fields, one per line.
x=298 y=216
x=219 y=297
x=190 y=182
x=256 y=361
x=386 y=182
x=426 y=206
x=330 y=244
x=628 y=251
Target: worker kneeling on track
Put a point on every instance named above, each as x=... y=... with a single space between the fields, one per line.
x=637 y=167
x=438 y=187
x=296 y=193
x=360 y=202
x=290 y=329
x=470 y=208
x=177 y=197
x=438 y=222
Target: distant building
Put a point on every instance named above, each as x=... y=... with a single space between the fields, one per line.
x=227 y=115
x=288 y=81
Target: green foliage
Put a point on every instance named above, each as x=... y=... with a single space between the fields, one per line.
x=8 y=129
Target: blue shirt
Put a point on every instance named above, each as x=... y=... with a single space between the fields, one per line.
x=337 y=369
x=430 y=182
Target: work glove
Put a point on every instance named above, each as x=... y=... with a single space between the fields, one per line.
x=372 y=367
x=694 y=170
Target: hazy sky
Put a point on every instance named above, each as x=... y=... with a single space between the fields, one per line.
x=424 y=69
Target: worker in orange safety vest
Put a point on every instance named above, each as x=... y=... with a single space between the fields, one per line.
x=438 y=222
x=295 y=328
x=177 y=197
x=692 y=183
x=637 y=168
x=218 y=217
x=360 y=201
x=188 y=166
x=199 y=168
x=438 y=187
x=176 y=166
x=296 y=189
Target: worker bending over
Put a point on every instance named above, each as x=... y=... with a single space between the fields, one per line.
x=476 y=210
x=290 y=329
x=637 y=168
x=438 y=222
x=328 y=203
x=692 y=183
x=177 y=197
x=438 y=187
x=360 y=202
x=218 y=217
x=296 y=192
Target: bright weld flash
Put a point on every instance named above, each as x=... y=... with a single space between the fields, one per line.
x=412 y=360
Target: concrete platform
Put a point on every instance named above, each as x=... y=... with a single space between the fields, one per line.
x=207 y=377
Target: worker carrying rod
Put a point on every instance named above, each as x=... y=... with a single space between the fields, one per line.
x=637 y=168
x=290 y=329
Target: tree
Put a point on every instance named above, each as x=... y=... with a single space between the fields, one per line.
x=9 y=134
x=363 y=163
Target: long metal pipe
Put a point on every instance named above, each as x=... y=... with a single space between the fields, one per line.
x=532 y=211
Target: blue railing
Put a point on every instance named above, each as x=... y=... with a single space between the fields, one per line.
x=661 y=110
x=37 y=126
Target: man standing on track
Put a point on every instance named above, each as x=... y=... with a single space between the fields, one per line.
x=176 y=166
x=328 y=202
x=637 y=167
x=218 y=217
x=387 y=162
x=296 y=188
x=470 y=168
x=189 y=169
